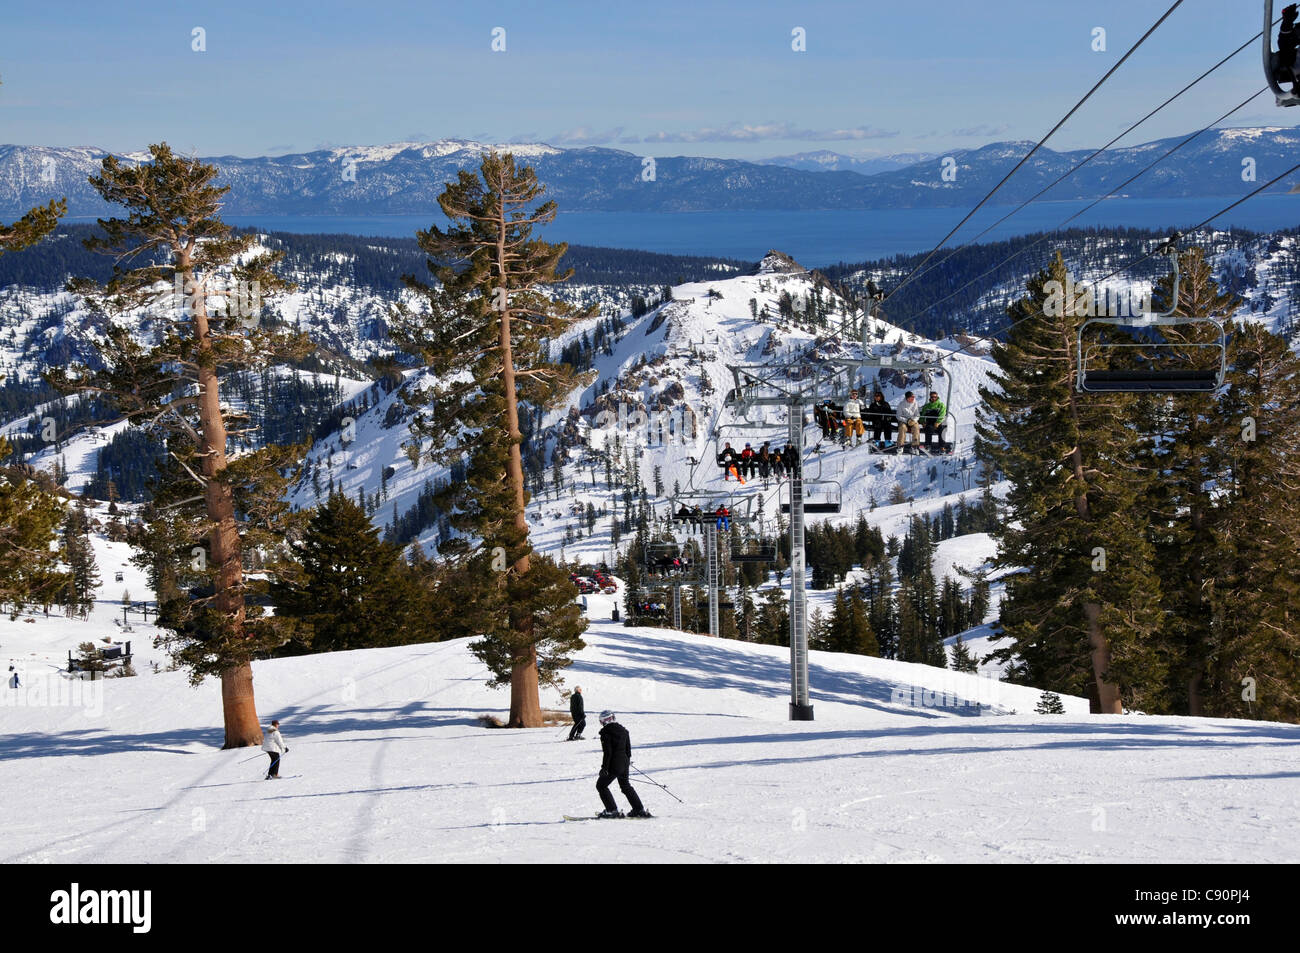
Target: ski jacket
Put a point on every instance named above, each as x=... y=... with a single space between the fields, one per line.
x=880 y=410
x=936 y=409
x=271 y=740
x=616 y=745
x=789 y=457
x=575 y=706
x=907 y=413
x=727 y=457
x=747 y=454
x=853 y=408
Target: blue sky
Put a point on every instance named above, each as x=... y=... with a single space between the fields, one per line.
x=654 y=78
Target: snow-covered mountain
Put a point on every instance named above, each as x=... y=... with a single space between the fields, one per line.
x=408 y=177
x=671 y=366
x=824 y=160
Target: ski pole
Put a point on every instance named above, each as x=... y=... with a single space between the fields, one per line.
x=664 y=787
x=253 y=758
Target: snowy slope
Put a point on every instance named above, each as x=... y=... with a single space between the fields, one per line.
x=37 y=645
x=395 y=767
x=674 y=360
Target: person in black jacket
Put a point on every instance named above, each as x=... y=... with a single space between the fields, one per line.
x=729 y=461
x=617 y=761
x=579 y=714
x=880 y=418
x=790 y=458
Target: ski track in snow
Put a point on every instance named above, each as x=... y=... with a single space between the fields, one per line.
x=395 y=768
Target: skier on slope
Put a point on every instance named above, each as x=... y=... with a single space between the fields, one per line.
x=274 y=746
x=579 y=714
x=617 y=747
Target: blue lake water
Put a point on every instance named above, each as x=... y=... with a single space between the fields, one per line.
x=824 y=237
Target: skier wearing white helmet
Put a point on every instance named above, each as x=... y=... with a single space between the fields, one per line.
x=617 y=747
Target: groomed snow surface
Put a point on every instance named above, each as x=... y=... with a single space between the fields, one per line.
x=392 y=764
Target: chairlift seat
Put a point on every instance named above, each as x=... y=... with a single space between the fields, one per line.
x=1137 y=382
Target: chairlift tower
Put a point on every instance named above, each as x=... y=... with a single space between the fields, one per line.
x=793 y=385
x=712 y=570
x=801 y=708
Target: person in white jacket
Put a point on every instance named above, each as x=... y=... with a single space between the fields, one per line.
x=909 y=421
x=273 y=744
x=853 y=429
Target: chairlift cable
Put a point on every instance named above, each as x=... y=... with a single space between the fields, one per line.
x=1147 y=257
x=1077 y=106
x=1069 y=172
x=1060 y=225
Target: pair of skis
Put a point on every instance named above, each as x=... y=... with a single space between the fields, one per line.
x=600 y=817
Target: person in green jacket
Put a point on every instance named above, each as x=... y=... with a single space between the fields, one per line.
x=933 y=416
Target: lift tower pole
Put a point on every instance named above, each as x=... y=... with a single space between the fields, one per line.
x=801 y=708
x=711 y=567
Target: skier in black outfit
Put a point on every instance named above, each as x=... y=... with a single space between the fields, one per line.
x=579 y=714
x=617 y=747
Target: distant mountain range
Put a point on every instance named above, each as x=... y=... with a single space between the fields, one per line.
x=823 y=160
x=406 y=178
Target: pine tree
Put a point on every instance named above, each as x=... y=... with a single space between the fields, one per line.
x=962 y=659
x=32 y=227
x=882 y=608
x=172 y=252
x=848 y=629
x=1049 y=703
x=772 y=626
x=351 y=590
x=818 y=630
x=1084 y=606
x=1185 y=449
x=79 y=557
x=489 y=319
x=29 y=523
x=1254 y=577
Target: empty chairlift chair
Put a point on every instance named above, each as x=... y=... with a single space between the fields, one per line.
x=754 y=551
x=819 y=496
x=1152 y=353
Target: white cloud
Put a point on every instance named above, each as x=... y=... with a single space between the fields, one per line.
x=584 y=136
x=756 y=132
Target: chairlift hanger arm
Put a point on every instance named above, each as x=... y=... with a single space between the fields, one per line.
x=1272 y=63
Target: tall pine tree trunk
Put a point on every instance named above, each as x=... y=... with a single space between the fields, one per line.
x=1107 y=692
x=1099 y=646
x=1195 y=704
x=237 y=701
x=525 y=700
